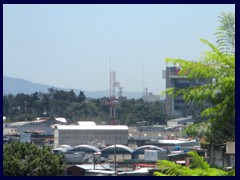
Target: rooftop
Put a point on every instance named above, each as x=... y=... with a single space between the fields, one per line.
x=97 y=127
x=180 y=119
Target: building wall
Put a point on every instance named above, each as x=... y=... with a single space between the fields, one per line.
x=56 y=138
x=176 y=105
x=219 y=157
x=88 y=136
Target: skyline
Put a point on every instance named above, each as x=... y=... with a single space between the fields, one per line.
x=74 y=46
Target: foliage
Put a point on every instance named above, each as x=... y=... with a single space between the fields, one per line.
x=215 y=90
x=55 y=103
x=226 y=33
x=59 y=103
x=198 y=129
x=131 y=112
x=25 y=159
x=219 y=69
x=198 y=167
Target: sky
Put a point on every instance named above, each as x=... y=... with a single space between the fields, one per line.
x=76 y=46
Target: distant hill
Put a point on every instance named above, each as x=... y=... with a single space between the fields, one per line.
x=15 y=86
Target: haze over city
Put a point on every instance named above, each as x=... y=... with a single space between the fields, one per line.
x=74 y=46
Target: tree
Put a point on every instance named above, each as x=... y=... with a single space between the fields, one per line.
x=220 y=91
x=198 y=167
x=81 y=97
x=226 y=33
x=218 y=68
x=25 y=159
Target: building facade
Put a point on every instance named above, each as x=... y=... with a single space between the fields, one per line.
x=74 y=135
x=176 y=106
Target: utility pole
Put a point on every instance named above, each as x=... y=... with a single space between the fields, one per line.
x=115 y=168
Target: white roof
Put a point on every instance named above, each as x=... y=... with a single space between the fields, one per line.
x=174 y=141
x=138 y=171
x=91 y=166
x=97 y=127
x=66 y=146
x=180 y=119
x=101 y=171
x=86 y=123
x=63 y=120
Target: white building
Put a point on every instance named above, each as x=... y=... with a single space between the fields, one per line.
x=74 y=135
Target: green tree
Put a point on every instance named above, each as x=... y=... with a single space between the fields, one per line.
x=130 y=112
x=220 y=91
x=226 y=33
x=217 y=97
x=25 y=159
x=81 y=97
x=198 y=167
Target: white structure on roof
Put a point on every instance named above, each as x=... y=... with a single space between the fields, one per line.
x=178 y=142
x=180 y=121
x=61 y=119
x=86 y=123
x=97 y=166
x=74 y=134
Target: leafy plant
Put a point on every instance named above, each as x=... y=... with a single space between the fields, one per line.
x=226 y=33
x=25 y=159
x=218 y=70
x=198 y=167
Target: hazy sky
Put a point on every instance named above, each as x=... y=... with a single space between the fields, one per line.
x=70 y=46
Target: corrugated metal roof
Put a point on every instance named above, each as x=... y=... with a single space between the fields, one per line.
x=97 y=127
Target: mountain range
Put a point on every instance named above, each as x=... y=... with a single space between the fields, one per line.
x=16 y=85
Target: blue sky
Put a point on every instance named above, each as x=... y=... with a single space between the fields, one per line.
x=70 y=46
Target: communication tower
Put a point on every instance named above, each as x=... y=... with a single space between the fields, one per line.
x=112 y=98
